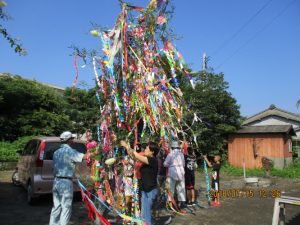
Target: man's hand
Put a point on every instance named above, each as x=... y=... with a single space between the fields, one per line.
x=95 y=153
x=90 y=155
x=114 y=137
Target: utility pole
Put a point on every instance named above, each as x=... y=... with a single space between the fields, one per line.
x=204 y=61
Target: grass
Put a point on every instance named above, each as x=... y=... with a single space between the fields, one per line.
x=292 y=171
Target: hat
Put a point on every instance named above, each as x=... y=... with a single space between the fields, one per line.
x=175 y=144
x=66 y=136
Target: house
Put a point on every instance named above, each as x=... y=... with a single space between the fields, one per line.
x=273 y=133
x=274 y=116
x=251 y=143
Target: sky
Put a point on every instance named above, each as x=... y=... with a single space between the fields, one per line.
x=254 y=43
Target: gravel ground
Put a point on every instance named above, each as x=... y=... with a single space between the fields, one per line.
x=245 y=209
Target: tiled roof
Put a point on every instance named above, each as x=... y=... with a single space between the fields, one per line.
x=272 y=111
x=267 y=129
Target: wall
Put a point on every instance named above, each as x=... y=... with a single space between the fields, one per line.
x=273 y=146
x=8 y=165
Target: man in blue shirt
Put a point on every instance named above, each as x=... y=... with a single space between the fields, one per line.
x=64 y=160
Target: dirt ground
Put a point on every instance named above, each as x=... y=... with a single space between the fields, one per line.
x=254 y=206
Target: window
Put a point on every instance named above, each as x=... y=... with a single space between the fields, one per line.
x=80 y=147
x=290 y=146
x=51 y=147
x=296 y=147
x=31 y=147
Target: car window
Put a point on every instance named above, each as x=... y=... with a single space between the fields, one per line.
x=26 y=149
x=80 y=147
x=51 y=147
x=36 y=146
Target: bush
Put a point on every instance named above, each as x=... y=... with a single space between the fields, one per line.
x=292 y=171
x=8 y=150
x=296 y=161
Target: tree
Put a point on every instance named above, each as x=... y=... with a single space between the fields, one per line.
x=298 y=103
x=82 y=108
x=30 y=108
x=14 y=43
x=215 y=107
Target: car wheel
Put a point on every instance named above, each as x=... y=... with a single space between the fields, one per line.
x=30 y=198
x=15 y=179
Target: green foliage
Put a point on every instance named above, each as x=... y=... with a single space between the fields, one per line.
x=216 y=107
x=8 y=150
x=30 y=108
x=235 y=171
x=296 y=161
x=42 y=122
x=82 y=108
x=14 y=43
x=292 y=171
x=295 y=148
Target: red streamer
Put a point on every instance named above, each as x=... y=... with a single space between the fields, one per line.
x=92 y=210
x=76 y=69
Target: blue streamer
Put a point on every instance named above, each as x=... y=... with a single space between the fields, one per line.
x=98 y=98
x=207 y=182
x=134 y=219
x=98 y=133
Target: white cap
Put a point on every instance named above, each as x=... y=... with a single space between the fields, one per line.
x=175 y=144
x=66 y=136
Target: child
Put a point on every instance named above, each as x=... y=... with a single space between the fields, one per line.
x=190 y=160
x=215 y=182
x=127 y=182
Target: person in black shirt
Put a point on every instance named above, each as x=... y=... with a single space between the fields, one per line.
x=215 y=181
x=190 y=160
x=148 y=172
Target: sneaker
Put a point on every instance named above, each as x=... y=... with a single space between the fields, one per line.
x=194 y=203
x=215 y=204
x=182 y=206
x=190 y=204
x=168 y=221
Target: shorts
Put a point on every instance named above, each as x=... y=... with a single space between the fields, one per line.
x=215 y=185
x=189 y=180
x=128 y=186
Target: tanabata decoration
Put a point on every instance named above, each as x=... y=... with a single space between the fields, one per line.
x=136 y=74
x=110 y=161
x=207 y=183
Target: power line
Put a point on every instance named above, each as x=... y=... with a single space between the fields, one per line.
x=241 y=28
x=256 y=34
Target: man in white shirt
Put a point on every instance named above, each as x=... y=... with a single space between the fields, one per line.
x=64 y=160
x=175 y=163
